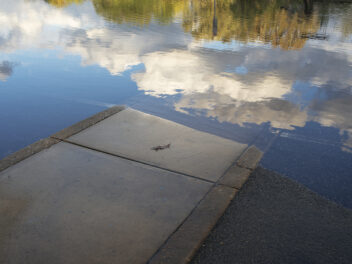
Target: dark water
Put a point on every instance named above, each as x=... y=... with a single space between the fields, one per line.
x=273 y=73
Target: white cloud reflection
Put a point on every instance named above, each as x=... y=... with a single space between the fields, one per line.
x=203 y=75
x=257 y=97
x=33 y=24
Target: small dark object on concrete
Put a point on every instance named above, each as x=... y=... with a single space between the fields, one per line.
x=157 y=148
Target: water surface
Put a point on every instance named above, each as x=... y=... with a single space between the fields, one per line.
x=274 y=73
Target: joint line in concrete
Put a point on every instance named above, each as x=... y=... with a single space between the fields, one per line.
x=138 y=161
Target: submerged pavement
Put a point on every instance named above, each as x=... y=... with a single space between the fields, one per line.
x=276 y=220
x=120 y=187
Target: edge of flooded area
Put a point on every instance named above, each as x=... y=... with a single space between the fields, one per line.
x=45 y=143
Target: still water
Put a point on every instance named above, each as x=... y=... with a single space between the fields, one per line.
x=274 y=73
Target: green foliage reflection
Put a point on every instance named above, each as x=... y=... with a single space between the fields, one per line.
x=282 y=23
x=138 y=12
x=63 y=3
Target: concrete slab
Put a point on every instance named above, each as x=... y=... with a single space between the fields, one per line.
x=69 y=204
x=26 y=152
x=133 y=134
x=235 y=177
x=183 y=244
x=250 y=158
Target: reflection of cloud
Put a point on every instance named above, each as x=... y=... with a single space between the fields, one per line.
x=336 y=112
x=36 y=24
x=278 y=112
x=116 y=50
x=6 y=69
x=227 y=97
x=286 y=89
x=169 y=73
x=308 y=65
x=187 y=73
x=27 y=24
x=100 y=47
x=242 y=84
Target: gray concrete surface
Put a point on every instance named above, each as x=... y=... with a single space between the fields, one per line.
x=276 y=220
x=26 y=152
x=69 y=204
x=99 y=192
x=235 y=177
x=105 y=196
x=250 y=158
x=133 y=134
x=239 y=172
x=183 y=244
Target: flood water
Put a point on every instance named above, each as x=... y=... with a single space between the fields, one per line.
x=274 y=73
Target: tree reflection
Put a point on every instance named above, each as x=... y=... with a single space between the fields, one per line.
x=274 y=22
x=138 y=12
x=281 y=23
x=347 y=22
x=63 y=3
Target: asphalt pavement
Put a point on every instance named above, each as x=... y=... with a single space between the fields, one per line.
x=276 y=220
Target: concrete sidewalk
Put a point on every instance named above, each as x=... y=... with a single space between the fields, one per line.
x=120 y=187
